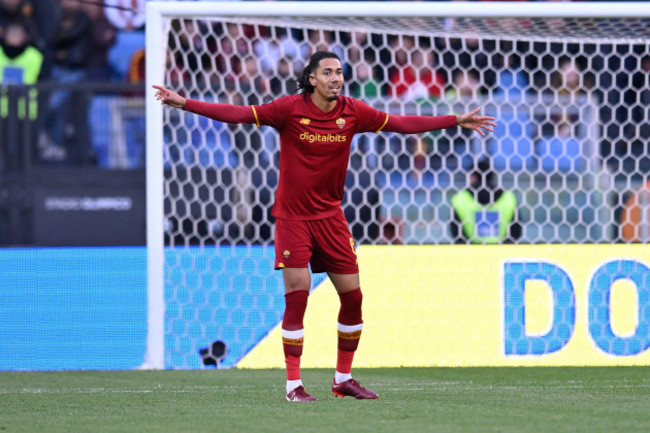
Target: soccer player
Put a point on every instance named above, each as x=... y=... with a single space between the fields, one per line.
x=316 y=128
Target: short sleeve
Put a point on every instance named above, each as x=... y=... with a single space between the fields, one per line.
x=274 y=113
x=370 y=120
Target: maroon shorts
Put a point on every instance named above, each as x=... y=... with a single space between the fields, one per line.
x=325 y=244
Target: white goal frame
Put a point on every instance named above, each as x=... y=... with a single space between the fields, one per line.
x=156 y=13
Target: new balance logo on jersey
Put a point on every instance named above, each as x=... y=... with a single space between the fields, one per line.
x=304 y=121
x=322 y=138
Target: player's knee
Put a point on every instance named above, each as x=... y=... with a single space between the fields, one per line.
x=296 y=279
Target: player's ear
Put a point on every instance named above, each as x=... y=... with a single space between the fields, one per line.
x=312 y=79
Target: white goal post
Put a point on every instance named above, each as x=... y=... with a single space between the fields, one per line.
x=599 y=178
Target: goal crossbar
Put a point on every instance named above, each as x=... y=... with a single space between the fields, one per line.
x=499 y=9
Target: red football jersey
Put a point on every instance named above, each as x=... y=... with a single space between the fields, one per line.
x=314 y=151
x=315 y=146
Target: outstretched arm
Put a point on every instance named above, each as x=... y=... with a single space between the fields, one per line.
x=221 y=112
x=416 y=124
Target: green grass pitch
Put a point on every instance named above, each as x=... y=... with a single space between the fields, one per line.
x=608 y=399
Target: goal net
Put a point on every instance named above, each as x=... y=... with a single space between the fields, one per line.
x=570 y=95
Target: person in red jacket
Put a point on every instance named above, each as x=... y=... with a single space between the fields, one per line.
x=316 y=128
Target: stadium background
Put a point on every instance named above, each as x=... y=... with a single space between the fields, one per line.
x=85 y=307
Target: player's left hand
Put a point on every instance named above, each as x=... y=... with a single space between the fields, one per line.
x=470 y=120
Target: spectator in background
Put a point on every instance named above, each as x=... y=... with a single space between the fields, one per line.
x=624 y=114
x=19 y=10
x=20 y=64
x=366 y=73
x=635 y=224
x=511 y=81
x=283 y=83
x=561 y=152
x=178 y=64
x=252 y=83
x=126 y=14
x=232 y=47
x=472 y=53
x=71 y=50
x=179 y=74
x=128 y=19
x=568 y=79
x=71 y=43
x=104 y=37
x=37 y=17
x=137 y=67
x=321 y=41
x=417 y=78
x=484 y=213
x=512 y=146
x=364 y=85
x=35 y=14
x=466 y=85
x=268 y=49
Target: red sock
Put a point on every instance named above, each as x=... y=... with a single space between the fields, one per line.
x=293 y=332
x=349 y=329
x=349 y=321
x=293 y=367
x=344 y=361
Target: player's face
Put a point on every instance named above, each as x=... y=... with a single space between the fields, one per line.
x=328 y=79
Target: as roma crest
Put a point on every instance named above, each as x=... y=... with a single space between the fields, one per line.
x=340 y=122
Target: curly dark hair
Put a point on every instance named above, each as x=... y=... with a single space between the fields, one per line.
x=303 y=81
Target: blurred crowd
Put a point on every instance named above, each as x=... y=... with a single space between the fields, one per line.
x=77 y=39
x=595 y=83
x=66 y=43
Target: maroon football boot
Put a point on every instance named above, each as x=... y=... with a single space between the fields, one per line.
x=299 y=394
x=352 y=388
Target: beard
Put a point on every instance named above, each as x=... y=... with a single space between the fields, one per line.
x=333 y=98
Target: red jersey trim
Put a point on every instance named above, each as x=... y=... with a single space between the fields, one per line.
x=384 y=124
x=257 y=120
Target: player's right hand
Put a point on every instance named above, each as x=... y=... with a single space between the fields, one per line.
x=169 y=97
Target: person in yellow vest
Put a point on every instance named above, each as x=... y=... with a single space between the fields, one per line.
x=20 y=64
x=484 y=213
